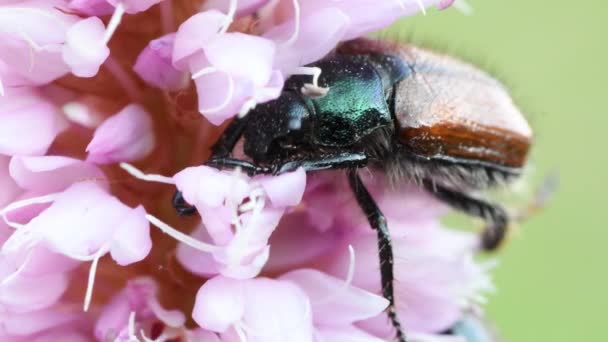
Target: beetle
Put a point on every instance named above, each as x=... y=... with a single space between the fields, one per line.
x=418 y=116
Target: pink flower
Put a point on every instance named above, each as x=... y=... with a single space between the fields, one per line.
x=224 y=83
x=41 y=41
x=154 y=65
x=300 y=306
x=89 y=85
x=124 y=137
x=26 y=109
x=136 y=311
x=238 y=214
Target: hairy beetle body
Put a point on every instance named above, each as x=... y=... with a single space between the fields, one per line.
x=414 y=114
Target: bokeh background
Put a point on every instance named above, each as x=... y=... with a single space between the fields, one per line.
x=553 y=275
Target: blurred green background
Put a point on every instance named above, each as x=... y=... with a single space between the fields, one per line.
x=552 y=279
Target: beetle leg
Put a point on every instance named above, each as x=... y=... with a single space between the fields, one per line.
x=346 y=160
x=496 y=217
x=385 y=250
x=232 y=163
x=180 y=205
x=224 y=146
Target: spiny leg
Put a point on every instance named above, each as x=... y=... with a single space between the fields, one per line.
x=224 y=146
x=497 y=219
x=385 y=250
x=344 y=160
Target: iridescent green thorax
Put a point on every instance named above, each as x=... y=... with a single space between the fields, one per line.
x=354 y=106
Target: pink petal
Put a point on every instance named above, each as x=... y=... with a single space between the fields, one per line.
x=436 y=275
x=276 y=311
x=219 y=304
x=68 y=333
x=46 y=174
x=272 y=310
x=271 y=90
x=35 y=261
x=224 y=53
x=195 y=261
x=134 y=6
x=207 y=185
x=154 y=65
x=29 y=24
x=202 y=335
x=244 y=7
x=218 y=100
x=139 y=296
x=320 y=32
x=33 y=322
x=443 y=4
x=243 y=266
x=347 y=334
x=285 y=190
x=9 y=187
x=193 y=35
x=332 y=303
x=366 y=15
x=131 y=242
x=126 y=136
x=92 y=7
x=25 y=110
x=22 y=294
x=297 y=232
x=94 y=219
x=85 y=50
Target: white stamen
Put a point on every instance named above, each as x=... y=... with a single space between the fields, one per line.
x=347 y=282
x=240 y=332
x=24 y=203
x=135 y=172
x=229 y=96
x=463 y=6
x=204 y=71
x=181 y=237
x=296 y=29
x=313 y=89
x=146 y=338
x=255 y=197
x=33 y=47
x=314 y=92
x=247 y=106
x=114 y=22
x=229 y=16
x=131 y=327
x=350 y=274
x=91 y=280
x=79 y=113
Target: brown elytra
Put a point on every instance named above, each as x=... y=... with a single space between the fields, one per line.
x=448 y=108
